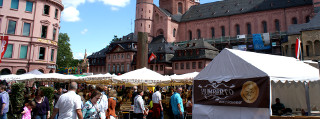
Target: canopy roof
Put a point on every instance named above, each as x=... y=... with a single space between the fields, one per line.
x=142 y=76
x=236 y=64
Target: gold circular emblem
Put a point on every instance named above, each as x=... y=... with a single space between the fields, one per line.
x=250 y=92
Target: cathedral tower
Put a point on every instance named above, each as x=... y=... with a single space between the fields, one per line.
x=177 y=6
x=144 y=14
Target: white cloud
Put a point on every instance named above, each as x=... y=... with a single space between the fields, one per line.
x=117 y=3
x=114 y=8
x=70 y=14
x=79 y=55
x=84 y=31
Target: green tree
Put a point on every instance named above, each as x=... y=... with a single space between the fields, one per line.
x=64 y=56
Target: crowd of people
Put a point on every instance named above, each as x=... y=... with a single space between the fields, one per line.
x=101 y=102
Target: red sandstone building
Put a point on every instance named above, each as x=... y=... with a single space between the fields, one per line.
x=219 y=23
x=33 y=28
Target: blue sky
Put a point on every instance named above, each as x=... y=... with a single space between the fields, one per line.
x=91 y=24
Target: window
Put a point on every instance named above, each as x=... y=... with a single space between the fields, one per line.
x=46 y=9
x=249 y=28
x=109 y=67
x=26 y=29
x=265 y=28
x=294 y=20
x=118 y=56
x=151 y=67
x=174 y=33
x=11 y=27
x=180 y=7
x=181 y=65
x=176 y=66
x=114 y=56
x=307 y=19
x=122 y=56
x=52 y=54
x=54 y=34
x=156 y=68
x=118 y=67
x=114 y=68
x=194 y=65
x=199 y=33
x=23 y=51
x=128 y=67
x=187 y=65
x=42 y=52
x=212 y=32
x=14 y=4
x=44 y=31
x=223 y=31
x=122 y=67
x=109 y=57
x=238 y=29
x=1 y=3
x=190 y=35
x=56 y=14
x=161 y=67
x=277 y=25
x=8 y=53
x=29 y=6
x=199 y=65
x=128 y=56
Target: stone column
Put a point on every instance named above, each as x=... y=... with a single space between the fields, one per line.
x=142 y=52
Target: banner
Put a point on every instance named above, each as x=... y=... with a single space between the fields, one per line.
x=261 y=42
x=3 y=45
x=253 y=92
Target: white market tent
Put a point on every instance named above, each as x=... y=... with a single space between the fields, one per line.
x=184 y=78
x=97 y=79
x=141 y=76
x=287 y=77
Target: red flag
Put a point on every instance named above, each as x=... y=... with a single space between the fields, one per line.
x=152 y=56
x=298 y=48
x=3 y=45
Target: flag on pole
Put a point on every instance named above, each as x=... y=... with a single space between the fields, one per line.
x=152 y=56
x=3 y=45
x=298 y=48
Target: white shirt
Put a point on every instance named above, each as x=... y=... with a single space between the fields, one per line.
x=103 y=106
x=138 y=104
x=67 y=105
x=156 y=97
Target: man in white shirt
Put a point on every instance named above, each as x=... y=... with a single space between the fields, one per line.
x=157 y=105
x=69 y=104
x=103 y=102
x=138 y=109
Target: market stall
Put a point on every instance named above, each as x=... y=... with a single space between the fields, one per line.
x=244 y=84
x=183 y=78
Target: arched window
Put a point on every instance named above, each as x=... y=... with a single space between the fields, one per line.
x=157 y=17
x=317 y=47
x=21 y=71
x=265 y=28
x=190 y=35
x=174 y=33
x=5 y=72
x=212 y=32
x=199 y=33
x=238 y=29
x=294 y=20
x=277 y=25
x=307 y=19
x=41 y=70
x=249 y=28
x=223 y=31
x=180 y=7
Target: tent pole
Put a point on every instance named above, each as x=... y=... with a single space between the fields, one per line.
x=307 y=97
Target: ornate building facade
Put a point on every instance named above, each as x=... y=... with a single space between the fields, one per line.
x=218 y=24
x=33 y=28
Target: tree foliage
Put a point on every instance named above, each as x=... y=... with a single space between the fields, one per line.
x=17 y=99
x=64 y=56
